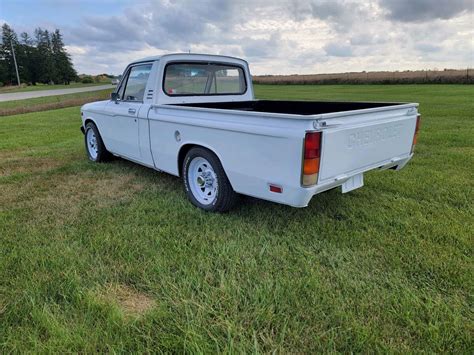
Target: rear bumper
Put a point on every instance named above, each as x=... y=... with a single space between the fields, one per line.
x=301 y=197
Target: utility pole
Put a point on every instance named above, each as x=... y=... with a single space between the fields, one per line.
x=16 y=66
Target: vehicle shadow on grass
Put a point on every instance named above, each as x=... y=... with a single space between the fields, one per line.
x=331 y=217
x=329 y=204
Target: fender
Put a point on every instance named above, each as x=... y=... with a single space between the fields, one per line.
x=83 y=129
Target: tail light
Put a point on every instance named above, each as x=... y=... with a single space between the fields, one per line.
x=311 y=158
x=415 y=136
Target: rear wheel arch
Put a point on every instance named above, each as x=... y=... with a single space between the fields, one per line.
x=185 y=148
x=205 y=180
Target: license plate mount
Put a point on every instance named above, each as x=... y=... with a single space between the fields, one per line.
x=353 y=183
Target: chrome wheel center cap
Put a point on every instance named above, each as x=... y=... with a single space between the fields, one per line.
x=201 y=181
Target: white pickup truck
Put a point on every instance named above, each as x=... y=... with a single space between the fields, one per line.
x=195 y=116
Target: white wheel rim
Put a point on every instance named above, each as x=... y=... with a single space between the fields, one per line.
x=202 y=180
x=92 y=144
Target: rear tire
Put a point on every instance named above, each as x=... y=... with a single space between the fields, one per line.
x=95 y=147
x=205 y=181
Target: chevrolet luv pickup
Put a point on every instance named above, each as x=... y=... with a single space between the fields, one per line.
x=195 y=116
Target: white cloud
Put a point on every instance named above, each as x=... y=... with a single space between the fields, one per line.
x=298 y=36
x=337 y=49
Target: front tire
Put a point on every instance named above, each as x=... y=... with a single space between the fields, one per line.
x=95 y=147
x=205 y=181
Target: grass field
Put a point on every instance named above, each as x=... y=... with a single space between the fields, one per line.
x=112 y=257
x=11 y=89
x=8 y=108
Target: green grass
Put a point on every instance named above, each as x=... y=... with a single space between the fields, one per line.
x=11 y=89
x=384 y=268
x=51 y=102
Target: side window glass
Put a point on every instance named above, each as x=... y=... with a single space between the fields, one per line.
x=136 y=82
x=122 y=85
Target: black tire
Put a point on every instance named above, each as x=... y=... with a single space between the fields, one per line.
x=102 y=153
x=225 y=196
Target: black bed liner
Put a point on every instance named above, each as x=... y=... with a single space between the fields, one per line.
x=291 y=107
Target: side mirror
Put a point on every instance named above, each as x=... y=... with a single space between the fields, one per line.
x=114 y=96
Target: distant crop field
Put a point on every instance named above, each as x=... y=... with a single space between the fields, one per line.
x=113 y=258
x=448 y=76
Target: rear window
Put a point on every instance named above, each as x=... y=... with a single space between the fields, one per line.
x=191 y=79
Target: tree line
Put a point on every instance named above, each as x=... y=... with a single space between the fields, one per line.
x=40 y=59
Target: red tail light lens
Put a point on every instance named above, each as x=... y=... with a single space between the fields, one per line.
x=415 y=136
x=311 y=159
x=312 y=144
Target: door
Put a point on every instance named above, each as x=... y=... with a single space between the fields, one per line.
x=121 y=132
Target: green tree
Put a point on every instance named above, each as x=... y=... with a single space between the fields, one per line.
x=64 y=70
x=41 y=59
x=45 y=59
x=25 y=56
x=9 y=38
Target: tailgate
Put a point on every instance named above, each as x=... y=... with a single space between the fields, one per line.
x=350 y=147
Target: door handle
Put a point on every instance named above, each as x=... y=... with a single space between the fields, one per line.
x=132 y=111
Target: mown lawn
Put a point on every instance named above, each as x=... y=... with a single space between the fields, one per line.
x=14 y=88
x=112 y=257
x=51 y=102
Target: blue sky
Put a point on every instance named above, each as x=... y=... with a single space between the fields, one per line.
x=57 y=12
x=275 y=36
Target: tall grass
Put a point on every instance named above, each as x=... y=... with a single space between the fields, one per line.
x=448 y=76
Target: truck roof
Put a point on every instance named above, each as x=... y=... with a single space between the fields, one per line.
x=185 y=56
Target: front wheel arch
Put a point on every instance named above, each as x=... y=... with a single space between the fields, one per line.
x=102 y=152
x=90 y=120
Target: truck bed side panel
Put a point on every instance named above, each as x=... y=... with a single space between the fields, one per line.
x=252 y=154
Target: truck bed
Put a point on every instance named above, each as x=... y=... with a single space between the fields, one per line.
x=290 y=107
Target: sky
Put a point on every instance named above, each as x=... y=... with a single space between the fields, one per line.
x=274 y=36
